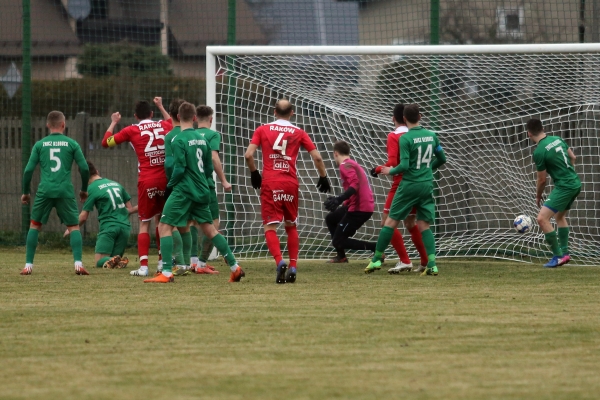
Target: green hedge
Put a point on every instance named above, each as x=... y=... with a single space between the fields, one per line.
x=102 y=96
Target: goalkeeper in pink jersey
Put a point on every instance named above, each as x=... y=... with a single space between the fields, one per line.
x=350 y=210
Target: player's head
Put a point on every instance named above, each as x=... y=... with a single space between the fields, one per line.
x=93 y=169
x=284 y=109
x=341 y=151
x=204 y=114
x=55 y=121
x=398 y=117
x=174 y=108
x=412 y=114
x=187 y=113
x=143 y=110
x=535 y=127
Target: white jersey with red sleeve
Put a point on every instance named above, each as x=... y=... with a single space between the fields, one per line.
x=280 y=143
x=148 y=140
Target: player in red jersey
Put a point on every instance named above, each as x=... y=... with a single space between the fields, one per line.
x=147 y=139
x=393 y=151
x=280 y=142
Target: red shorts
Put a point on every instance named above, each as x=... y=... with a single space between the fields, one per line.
x=151 y=197
x=390 y=198
x=279 y=202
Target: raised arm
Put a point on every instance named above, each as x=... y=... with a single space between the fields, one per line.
x=110 y=140
x=163 y=111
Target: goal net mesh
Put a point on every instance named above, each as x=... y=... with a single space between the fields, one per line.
x=477 y=104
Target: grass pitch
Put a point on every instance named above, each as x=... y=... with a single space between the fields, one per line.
x=480 y=330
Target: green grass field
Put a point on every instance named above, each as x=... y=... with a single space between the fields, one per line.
x=480 y=330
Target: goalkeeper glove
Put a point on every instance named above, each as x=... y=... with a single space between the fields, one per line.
x=256 y=179
x=332 y=203
x=323 y=185
x=376 y=171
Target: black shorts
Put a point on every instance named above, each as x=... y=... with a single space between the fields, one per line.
x=343 y=223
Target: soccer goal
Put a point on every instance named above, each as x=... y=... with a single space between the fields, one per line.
x=477 y=98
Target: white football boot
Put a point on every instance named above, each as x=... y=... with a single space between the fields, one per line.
x=400 y=267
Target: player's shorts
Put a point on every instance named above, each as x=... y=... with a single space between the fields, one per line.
x=213 y=204
x=151 y=197
x=112 y=240
x=279 y=202
x=179 y=210
x=561 y=199
x=390 y=198
x=411 y=195
x=66 y=209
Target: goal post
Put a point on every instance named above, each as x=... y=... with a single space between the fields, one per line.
x=481 y=96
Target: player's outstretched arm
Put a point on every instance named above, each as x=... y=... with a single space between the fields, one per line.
x=542 y=177
x=323 y=185
x=158 y=101
x=28 y=174
x=218 y=167
x=255 y=177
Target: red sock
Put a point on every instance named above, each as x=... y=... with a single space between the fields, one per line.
x=398 y=244
x=417 y=239
x=143 y=248
x=273 y=245
x=158 y=244
x=293 y=244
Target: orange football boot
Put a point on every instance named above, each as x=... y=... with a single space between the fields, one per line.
x=237 y=275
x=160 y=279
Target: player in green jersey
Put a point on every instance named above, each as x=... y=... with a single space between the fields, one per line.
x=114 y=207
x=553 y=157
x=420 y=155
x=189 y=197
x=182 y=238
x=204 y=115
x=55 y=153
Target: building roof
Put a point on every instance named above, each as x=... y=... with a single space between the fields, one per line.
x=51 y=34
x=193 y=31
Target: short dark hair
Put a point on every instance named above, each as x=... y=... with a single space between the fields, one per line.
x=342 y=147
x=399 y=113
x=92 y=168
x=204 y=112
x=174 y=108
x=55 y=118
x=187 y=112
x=534 y=126
x=283 y=108
x=143 y=110
x=411 y=113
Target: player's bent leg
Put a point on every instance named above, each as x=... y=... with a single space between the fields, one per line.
x=221 y=244
x=563 y=235
x=77 y=247
x=31 y=246
x=166 y=238
x=550 y=235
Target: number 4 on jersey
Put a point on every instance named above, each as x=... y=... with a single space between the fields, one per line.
x=281 y=148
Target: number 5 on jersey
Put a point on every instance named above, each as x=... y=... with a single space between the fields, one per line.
x=53 y=157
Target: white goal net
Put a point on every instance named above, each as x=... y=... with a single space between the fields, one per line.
x=477 y=99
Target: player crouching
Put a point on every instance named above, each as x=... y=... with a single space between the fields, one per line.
x=189 y=196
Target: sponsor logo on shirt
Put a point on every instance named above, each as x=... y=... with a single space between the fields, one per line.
x=277 y=156
x=279 y=128
x=196 y=142
x=61 y=143
x=281 y=166
x=279 y=195
x=423 y=139
x=553 y=144
x=105 y=185
x=149 y=125
x=157 y=160
x=153 y=192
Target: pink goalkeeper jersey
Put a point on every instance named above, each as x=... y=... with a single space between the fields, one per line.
x=353 y=175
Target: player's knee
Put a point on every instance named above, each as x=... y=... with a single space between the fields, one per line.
x=35 y=225
x=542 y=220
x=209 y=230
x=73 y=228
x=337 y=242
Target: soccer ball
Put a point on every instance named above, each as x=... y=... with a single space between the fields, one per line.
x=522 y=223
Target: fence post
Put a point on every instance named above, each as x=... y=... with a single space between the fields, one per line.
x=26 y=104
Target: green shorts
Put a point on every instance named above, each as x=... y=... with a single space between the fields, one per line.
x=65 y=208
x=414 y=194
x=214 y=204
x=561 y=199
x=179 y=210
x=112 y=240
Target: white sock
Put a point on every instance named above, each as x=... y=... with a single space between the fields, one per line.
x=194 y=260
x=233 y=268
x=160 y=264
x=143 y=267
x=28 y=266
x=167 y=274
x=78 y=264
x=201 y=264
